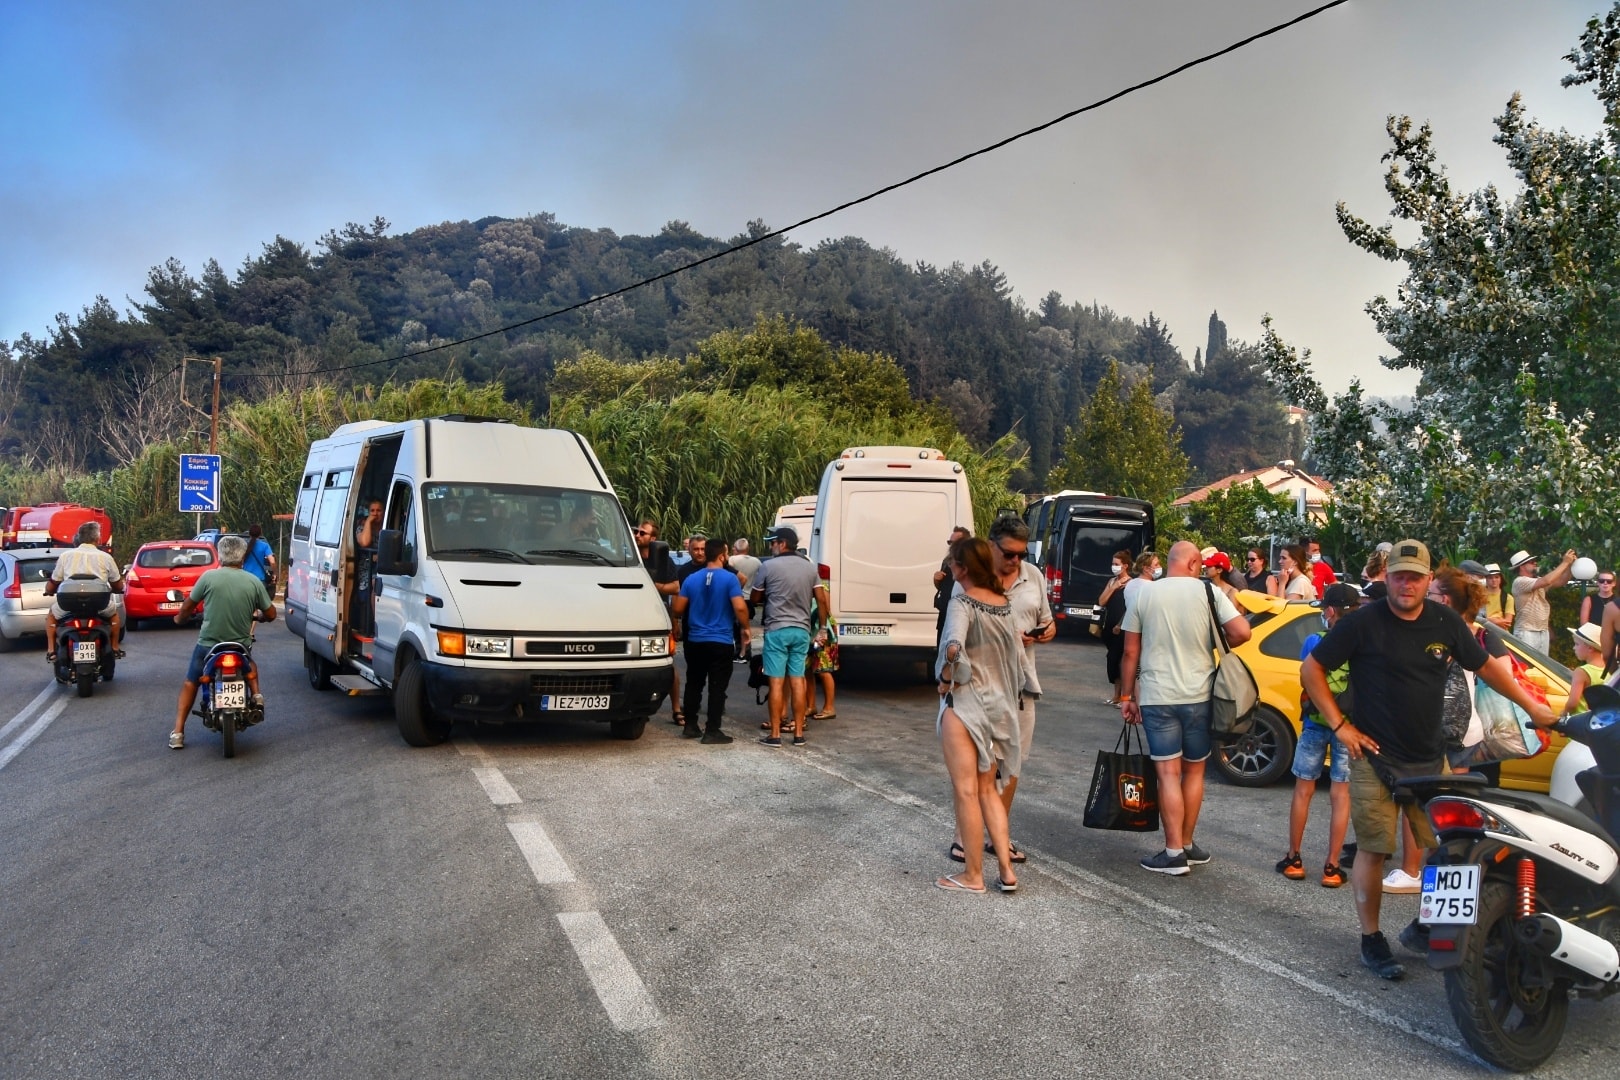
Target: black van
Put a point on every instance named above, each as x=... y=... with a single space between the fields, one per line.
x=1085 y=531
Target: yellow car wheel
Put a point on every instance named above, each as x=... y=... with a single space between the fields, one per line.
x=1260 y=757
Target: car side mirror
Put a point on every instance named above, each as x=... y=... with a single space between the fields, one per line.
x=390 y=554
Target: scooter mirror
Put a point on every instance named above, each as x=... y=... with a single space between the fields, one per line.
x=1602 y=698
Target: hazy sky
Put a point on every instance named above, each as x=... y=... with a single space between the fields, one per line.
x=130 y=133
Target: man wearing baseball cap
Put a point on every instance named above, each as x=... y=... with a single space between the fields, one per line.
x=1530 y=594
x=1399 y=650
x=787 y=585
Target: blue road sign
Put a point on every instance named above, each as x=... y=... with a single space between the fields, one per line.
x=199 y=483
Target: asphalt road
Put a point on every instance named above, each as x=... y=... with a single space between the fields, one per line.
x=549 y=902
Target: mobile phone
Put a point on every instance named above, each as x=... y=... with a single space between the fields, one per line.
x=1039 y=630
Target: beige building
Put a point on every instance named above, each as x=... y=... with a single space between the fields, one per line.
x=1282 y=478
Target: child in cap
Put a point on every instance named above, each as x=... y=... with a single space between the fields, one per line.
x=1318 y=746
x=1589 y=651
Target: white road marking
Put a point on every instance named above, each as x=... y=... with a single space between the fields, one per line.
x=545 y=863
x=469 y=749
x=629 y=1006
x=16 y=721
x=496 y=787
x=1171 y=920
x=31 y=732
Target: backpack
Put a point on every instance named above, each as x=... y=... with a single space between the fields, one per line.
x=756 y=678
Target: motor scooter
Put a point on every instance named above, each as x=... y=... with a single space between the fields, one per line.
x=1522 y=897
x=223 y=700
x=84 y=652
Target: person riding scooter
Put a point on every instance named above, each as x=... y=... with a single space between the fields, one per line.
x=233 y=597
x=86 y=558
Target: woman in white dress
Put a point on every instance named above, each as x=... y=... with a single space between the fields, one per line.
x=980 y=674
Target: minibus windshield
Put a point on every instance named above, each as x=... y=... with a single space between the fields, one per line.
x=518 y=523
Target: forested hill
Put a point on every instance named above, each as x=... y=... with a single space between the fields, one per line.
x=364 y=295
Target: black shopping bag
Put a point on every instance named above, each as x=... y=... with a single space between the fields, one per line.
x=1124 y=788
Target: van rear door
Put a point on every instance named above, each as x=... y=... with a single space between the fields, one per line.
x=883 y=569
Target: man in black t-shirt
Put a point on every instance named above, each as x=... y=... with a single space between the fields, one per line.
x=1398 y=651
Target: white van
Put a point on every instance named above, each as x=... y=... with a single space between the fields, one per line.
x=506 y=584
x=883 y=517
x=801 y=515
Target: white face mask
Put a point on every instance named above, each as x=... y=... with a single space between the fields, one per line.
x=1316 y=556
x=1158 y=572
x=1116 y=568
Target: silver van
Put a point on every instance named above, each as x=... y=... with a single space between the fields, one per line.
x=500 y=584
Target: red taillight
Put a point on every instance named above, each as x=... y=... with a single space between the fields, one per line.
x=14 y=587
x=1448 y=814
x=229 y=662
x=1442 y=945
x=1054 y=583
x=824 y=571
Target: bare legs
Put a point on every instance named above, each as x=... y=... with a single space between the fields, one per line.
x=782 y=689
x=979 y=807
x=1367 y=878
x=1181 y=797
x=1299 y=814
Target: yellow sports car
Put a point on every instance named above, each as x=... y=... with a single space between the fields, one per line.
x=1266 y=754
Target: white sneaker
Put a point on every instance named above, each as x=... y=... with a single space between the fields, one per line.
x=1400 y=882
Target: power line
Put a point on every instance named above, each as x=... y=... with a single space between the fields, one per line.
x=772 y=234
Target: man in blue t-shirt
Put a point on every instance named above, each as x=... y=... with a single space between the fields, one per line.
x=710 y=603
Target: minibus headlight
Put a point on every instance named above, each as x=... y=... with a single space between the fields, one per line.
x=655 y=646
x=490 y=648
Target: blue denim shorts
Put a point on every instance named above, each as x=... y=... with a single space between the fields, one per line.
x=1177 y=731
x=1312 y=752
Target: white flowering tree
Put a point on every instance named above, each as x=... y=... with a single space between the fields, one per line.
x=1510 y=313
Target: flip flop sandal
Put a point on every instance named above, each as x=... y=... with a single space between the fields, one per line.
x=957 y=853
x=950 y=884
x=1014 y=852
x=823 y=716
x=1006 y=886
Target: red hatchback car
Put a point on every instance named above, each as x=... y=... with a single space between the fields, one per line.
x=162 y=575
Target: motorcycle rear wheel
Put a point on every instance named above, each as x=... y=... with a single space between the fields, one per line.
x=1508 y=1010
x=85 y=679
x=227 y=731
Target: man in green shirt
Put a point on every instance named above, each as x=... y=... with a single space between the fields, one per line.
x=233 y=597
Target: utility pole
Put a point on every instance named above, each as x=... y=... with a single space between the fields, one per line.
x=218 y=363
x=213 y=415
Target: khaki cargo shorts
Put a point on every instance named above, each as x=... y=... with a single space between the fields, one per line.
x=1376 y=815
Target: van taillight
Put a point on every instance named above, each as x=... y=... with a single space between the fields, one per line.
x=14 y=587
x=824 y=571
x=1054 y=583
